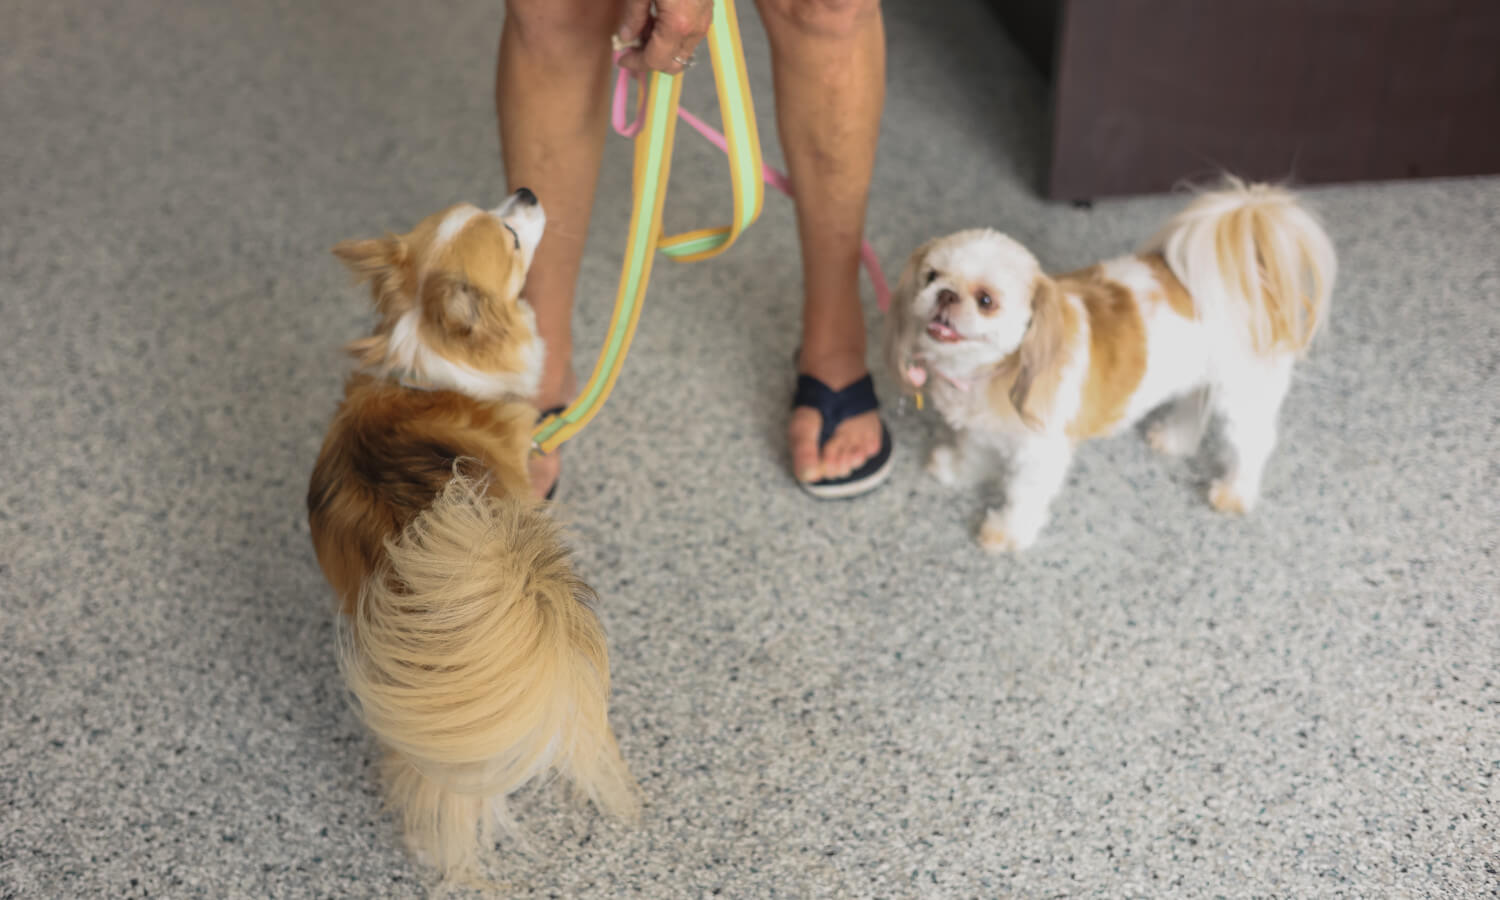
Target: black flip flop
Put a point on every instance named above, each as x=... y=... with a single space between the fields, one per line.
x=541 y=416
x=835 y=407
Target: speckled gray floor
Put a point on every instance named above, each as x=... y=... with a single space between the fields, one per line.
x=842 y=700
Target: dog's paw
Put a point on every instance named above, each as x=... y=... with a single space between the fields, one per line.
x=1170 y=441
x=998 y=536
x=1227 y=498
x=943 y=465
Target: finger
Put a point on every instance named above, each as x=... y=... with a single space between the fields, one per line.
x=653 y=59
x=669 y=56
x=633 y=61
x=633 y=21
x=674 y=37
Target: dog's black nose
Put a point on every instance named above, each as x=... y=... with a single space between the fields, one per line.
x=525 y=197
x=946 y=297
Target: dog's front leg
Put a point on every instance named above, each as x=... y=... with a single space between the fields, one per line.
x=959 y=463
x=1038 y=469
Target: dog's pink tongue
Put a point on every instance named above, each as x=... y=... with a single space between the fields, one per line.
x=916 y=375
x=944 y=333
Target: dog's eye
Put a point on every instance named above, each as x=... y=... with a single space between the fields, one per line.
x=931 y=276
x=984 y=300
x=513 y=236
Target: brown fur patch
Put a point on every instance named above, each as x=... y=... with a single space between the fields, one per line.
x=469 y=313
x=1173 y=293
x=1117 y=351
x=1031 y=377
x=389 y=453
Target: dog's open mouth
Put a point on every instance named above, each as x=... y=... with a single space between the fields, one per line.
x=940 y=329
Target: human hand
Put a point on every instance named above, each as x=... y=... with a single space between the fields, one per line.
x=662 y=34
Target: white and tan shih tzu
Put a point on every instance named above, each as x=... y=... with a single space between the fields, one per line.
x=1206 y=320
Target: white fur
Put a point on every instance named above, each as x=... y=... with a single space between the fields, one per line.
x=527 y=221
x=1217 y=361
x=419 y=362
x=1248 y=403
x=453 y=223
x=1039 y=467
x=1176 y=351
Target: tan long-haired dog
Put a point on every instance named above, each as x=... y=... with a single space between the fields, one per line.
x=465 y=637
x=1207 y=318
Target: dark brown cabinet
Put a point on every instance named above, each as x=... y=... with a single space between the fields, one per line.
x=1149 y=93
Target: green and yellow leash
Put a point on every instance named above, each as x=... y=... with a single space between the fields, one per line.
x=654 y=129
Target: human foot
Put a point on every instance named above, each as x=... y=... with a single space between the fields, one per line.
x=839 y=446
x=854 y=440
x=545 y=468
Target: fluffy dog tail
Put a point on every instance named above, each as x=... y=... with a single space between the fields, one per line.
x=1256 y=263
x=478 y=663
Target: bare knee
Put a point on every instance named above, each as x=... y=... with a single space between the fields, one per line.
x=819 y=18
x=563 y=26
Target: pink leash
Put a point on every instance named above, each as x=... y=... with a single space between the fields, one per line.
x=778 y=180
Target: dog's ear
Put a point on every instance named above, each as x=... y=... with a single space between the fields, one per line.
x=900 y=327
x=1042 y=354
x=458 y=307
x=384 y=262
x=906 y=285
x=368 y=258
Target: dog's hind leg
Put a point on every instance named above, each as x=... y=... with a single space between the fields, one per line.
x=1249 y=403
x=1179 y=429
